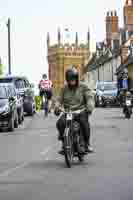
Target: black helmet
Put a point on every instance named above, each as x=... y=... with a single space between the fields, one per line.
x=44 y=75
x=72 y=74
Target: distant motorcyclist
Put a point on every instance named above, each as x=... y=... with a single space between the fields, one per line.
x=45 y=87
x=75 y=96
x=124 y=87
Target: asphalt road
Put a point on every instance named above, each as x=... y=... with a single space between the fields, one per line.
x=31 y=169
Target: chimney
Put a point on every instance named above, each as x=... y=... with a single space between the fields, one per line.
x=111 y=26
x=128 y=15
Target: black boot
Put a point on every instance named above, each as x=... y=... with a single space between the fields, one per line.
x=88 y=149
x=62 y=150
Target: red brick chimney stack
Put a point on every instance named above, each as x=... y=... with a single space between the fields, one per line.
x=128 y=15
x=112 y=26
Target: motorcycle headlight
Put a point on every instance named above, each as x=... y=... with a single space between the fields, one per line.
x=76 y=126
x=99 y=98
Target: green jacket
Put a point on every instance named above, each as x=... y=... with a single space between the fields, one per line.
x=76 y=99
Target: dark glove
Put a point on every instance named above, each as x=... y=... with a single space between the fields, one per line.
x=57 y=111
x=88 y=112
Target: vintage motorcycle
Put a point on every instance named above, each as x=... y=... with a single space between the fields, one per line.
x=74 y=145
x=127 y=107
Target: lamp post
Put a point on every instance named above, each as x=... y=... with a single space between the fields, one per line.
x=9 y=45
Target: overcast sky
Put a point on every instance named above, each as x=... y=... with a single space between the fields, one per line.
x=32 y=19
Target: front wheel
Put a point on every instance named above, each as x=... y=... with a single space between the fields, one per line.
x=68 y=148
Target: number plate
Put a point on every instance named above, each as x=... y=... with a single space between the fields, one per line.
x=69 y=116
x=128 y=102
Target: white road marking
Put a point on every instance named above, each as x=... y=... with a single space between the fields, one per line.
x=11 y=170
x=47 y=150
x=23 y=165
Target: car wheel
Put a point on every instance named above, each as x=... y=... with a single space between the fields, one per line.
x=11 y=124
x=31 y=111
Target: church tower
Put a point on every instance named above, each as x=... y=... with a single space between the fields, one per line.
x=61 y=56
x=128 y=15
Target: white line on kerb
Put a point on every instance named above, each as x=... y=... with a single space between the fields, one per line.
x=25 y=164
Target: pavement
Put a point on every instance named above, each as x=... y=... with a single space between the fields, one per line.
x=31 y=168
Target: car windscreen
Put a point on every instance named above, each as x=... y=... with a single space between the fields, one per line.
x=100 y=86
x=3 y=94
x=110 y=87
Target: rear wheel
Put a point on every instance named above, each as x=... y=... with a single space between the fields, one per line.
x=45 y=106
x=11 y=124
x=46 y=109
x=68 y=148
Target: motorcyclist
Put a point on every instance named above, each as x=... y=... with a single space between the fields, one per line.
x=45 y=87
x=75 y=95
x=124 y=86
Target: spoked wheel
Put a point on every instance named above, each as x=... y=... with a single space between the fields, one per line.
x=46 y=109
x=68 y=148
x=45 y=106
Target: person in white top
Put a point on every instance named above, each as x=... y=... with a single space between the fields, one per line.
x=45 y=87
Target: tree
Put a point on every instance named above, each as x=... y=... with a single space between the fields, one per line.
x=1 y=68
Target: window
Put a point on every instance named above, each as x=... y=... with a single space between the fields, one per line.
x=26 y=83
x=19 y=83
x=8 y=90
x=3 y=94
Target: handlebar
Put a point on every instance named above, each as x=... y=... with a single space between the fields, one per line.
x=73 y=112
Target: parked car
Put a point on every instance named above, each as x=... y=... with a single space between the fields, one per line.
x=8 y=109
x=19 y=102
x=106 y=93
x=23 y=88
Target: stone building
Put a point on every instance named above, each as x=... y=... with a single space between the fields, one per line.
x=61 y=56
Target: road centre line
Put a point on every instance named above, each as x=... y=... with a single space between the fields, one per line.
x=47 y=150
x=23 y=165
